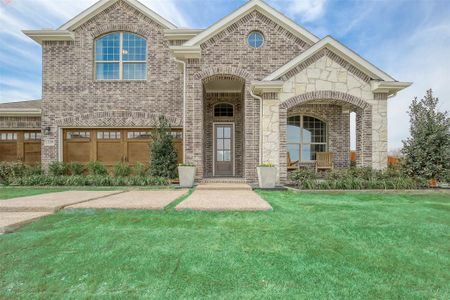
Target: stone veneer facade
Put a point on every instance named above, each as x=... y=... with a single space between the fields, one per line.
x=324 y=85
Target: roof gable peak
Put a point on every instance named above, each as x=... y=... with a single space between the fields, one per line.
x=101 y=5
x=247 y=8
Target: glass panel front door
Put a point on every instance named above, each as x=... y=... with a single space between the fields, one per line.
x=224 y=150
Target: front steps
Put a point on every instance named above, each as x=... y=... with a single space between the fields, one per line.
x=222 y=180
x=224 y=187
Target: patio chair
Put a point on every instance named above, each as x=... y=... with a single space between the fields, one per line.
x=291 y=165
x=324 y=161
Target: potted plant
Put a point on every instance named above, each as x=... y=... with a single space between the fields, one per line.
x=267 y=176
x=186 y=173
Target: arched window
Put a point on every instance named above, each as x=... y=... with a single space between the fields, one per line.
x=305 y=137
x=121 y=56
x=223 y=110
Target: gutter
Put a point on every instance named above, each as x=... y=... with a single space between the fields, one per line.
x=183 y=63
x=20 y=112
x=260 y=124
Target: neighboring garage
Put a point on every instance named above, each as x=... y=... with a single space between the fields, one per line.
x=110 y=146
x=20 y=146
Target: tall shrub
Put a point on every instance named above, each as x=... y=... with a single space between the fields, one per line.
x=163 y=156
x=427 y=151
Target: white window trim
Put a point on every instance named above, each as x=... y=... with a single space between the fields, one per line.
x=301 y=143
x=121 y=62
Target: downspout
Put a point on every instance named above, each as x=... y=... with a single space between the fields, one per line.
x=260 y=125
x=183 y=63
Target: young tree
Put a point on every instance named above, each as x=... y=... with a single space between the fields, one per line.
x=427 y=150
x=163 y=156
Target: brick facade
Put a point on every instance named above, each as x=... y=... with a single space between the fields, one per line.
x=324 y=85
x=71 y=93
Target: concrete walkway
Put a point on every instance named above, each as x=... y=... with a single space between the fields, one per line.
x=151 y=199
x=224 y=197
x=16 y=212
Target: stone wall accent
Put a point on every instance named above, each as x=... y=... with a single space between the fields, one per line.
x=235 y=99
x=11 y=122
x=270 y=132
x=337 y=97
x=379 y=131
x=70 y=89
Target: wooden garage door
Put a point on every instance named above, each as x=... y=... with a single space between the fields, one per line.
x=111 y=146
x=20 y=146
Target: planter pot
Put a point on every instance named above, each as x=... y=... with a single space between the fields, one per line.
x=187 y=176
x=267 y=177
x=432 y=183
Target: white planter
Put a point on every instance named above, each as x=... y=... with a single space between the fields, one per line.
x=267 y=177
x=187 y=176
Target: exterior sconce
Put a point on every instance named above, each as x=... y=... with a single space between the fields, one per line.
x=47 y=130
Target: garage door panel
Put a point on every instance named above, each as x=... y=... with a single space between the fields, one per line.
x=8 y=151
x=138 y=152
x=109 y=153
x=77 y=152
x=32 y=152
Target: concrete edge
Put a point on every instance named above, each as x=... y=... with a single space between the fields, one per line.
x=58 y=208
x=13 y=227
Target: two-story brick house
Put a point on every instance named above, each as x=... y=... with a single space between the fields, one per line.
x=253 y=87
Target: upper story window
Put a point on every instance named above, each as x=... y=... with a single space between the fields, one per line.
x=223 y=110
x=121 y=56
x=255 y=39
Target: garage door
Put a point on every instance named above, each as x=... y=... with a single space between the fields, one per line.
x=110 y=146
x=20 y=146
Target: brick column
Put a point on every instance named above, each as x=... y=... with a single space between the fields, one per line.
x=379 y=132
x=364 y=137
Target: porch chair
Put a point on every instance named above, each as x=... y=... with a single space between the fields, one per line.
x=324 y=161
x=291 y=165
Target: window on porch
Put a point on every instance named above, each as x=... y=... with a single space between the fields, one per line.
x=306 y=136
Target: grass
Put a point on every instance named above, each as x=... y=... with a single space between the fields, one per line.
x=313 y=245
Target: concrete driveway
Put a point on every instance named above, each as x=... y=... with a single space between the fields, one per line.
x=150 y=199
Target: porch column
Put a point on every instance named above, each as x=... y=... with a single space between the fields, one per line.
x=270 y=144
x=364 y=137
x=379 y=131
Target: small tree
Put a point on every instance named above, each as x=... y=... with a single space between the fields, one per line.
x=427 y=150
x=163 y=156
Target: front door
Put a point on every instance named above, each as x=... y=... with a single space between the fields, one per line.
x=224 y=150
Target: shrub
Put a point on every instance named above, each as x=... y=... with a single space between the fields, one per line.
x=58 y=168
x=122 y=170
x=35 y=169
x=76 y=169
x=11 y=170
x=90 y=180
x=96 y=168
x=356 y=178
x=140 y=169
x=427 y=150
x=163 y=155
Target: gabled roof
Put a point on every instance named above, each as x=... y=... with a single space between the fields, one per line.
x=261 y=7
x=339 y=49
x=104 y=4
x=21 y=108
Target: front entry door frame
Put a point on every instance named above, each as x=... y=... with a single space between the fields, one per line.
x=233 y=146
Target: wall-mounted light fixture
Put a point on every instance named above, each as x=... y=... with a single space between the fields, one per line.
x=47 y=130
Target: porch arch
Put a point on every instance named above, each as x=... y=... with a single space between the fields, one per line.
x=363 y=111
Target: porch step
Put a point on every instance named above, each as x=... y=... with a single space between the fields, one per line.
x=222 y=180
x=224 y=186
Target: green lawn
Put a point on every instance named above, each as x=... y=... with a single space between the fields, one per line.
x=313 y=245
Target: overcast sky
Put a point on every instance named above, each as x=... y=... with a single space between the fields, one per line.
x=409 y=39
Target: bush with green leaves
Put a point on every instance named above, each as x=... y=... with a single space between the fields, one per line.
x=96 y=168
x=427 y=151
x=76 y=168
x=89 y=180
x=140 y=169
x=58 y=168
x=163 y=156
x=122 y=170
x=355 y=178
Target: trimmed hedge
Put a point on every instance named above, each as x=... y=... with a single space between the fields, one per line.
x=90 y=180
x=356 y=179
